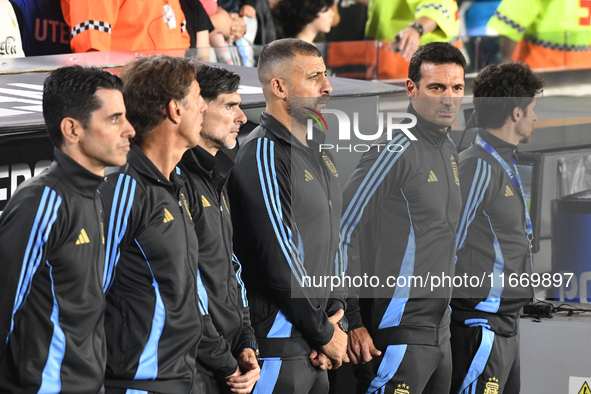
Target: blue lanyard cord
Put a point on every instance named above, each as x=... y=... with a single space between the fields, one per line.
x=515 y=179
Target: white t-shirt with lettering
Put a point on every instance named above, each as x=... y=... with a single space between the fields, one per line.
x=10 y=37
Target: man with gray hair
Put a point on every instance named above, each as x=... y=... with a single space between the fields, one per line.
x=286 y=204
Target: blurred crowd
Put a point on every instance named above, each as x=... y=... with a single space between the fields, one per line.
x=369 y=39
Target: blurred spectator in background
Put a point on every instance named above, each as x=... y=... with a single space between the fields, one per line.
x=227 y=28
x=352 y=17
x=241 y=7
x=351 y=59
x=230 y=25
x=405 y=23
x=245 y=9
x=545 y=33
x=198 y=26
x=483 y=42
x=305 y=19
x=43 y=28
x=266 y=26
x=10 y=37
x=126 y=25
x=412 y=22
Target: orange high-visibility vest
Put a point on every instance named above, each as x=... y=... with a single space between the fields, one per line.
x=368 y=60
x=132 y=25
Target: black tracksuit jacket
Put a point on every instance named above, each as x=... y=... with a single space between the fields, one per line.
x=51 y=283
x=153 y=322
x=225 y=294
x=491 y=238
x=286 y=204
x=400 y=215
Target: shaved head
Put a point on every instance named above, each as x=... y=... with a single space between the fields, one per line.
x=277 y=57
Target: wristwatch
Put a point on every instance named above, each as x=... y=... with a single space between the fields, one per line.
x=343 y=324
x=249 y=345
x=418 y=27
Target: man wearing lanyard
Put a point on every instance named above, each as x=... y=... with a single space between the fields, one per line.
x=495 y=233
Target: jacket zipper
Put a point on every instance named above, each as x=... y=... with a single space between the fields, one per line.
x=441 y=154
x=219 y=196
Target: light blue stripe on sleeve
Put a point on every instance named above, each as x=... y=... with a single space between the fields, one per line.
x=44 y=219
x=51 y=376
x=281 y=327
x=203 y=298
x=120 y=208
x=493 y=301
x=148 y=363
x=297 y=258
x=395 y=310
x=240 y=282
x=270 y=190
x=41 y=237
x=479 y=186
x=367 y=188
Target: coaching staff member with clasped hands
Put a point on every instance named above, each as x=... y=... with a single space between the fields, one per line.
x=207 y=169
x=495 y=233
x=286 y=203
x=410 y=198
x=52 y=242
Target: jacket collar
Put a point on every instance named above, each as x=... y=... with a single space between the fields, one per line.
x=503 y=148
x=138 y=160
x=282 y=133
x=79 y=178
x=428 y=131
x=200 y=160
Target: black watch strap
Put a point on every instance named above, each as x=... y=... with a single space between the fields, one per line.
x=418 y=27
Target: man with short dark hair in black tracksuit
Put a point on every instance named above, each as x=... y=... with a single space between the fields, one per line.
x=153 y=319
x=494 y=235
x=52 y=242
x=226 y=302
x=287 y=328
x=400 y=214
x=286 y=202
x=207 y=169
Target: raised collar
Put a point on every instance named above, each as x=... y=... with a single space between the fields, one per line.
x=138 y=160
x=428 y=131
x=200 y=160
x=503 y=148
x=77 y=177
x=282 y=133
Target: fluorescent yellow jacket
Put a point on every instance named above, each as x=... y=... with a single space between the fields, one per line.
x=552 y=32
x=385 y=18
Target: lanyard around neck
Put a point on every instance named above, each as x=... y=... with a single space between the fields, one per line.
x=515 y=179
